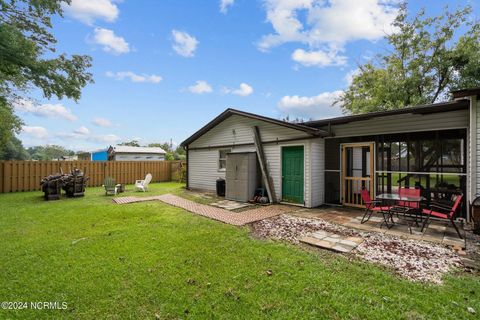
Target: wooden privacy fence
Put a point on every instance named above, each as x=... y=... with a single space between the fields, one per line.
x=26 y=175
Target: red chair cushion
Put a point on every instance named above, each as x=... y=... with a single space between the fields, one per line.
x=381 y=208
x=435 y=214
x=403 y=192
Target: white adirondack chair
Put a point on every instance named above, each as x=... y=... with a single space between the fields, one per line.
x=142 y=185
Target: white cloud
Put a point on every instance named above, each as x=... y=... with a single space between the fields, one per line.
x=318 y=58
x=35 y=132
x=108 y=138
x=184 y=44
x=87 y=11
x=82 y=131
x=44 y=110
x=153 y=78
x=102 y=122
x=327 y=24
x=110 y=42
x=315 y=107
x=225 y=5
x=200 y=87
x=244 y=90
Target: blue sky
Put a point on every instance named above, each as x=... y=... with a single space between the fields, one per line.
x=163 y=69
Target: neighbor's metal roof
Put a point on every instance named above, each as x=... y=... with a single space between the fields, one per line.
x=130 y=149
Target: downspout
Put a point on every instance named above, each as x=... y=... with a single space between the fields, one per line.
x=473 y=152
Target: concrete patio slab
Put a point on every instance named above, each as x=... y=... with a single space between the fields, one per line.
x=436 y=232
x=230 y=205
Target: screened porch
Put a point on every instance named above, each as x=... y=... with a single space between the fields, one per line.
x=432 y=161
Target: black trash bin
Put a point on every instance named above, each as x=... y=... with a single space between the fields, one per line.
x=475 y=212
x=221 y=187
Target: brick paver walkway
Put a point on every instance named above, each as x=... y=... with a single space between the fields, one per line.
x=234 y=218
x=125 y=200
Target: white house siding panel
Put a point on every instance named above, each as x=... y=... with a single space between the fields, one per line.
x=203 y=169
x=317 y=148
x=404 y=123
x=237 y=129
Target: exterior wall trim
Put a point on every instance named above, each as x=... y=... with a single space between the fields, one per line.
x=253 y=144
x=394 y=132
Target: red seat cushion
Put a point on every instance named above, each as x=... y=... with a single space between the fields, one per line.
x=435 y=213
x=381 y=208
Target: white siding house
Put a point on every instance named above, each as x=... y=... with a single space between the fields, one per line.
x=233 y=132
x=456 y=122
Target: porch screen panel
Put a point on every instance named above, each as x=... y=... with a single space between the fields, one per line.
x=434 y=162
x=332 y=187
x=332 y=171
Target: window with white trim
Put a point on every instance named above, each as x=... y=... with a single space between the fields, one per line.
x=222 y=159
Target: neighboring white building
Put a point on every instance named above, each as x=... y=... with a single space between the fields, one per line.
x=128 y=153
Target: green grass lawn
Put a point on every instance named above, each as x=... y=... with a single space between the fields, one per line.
x=149 y=260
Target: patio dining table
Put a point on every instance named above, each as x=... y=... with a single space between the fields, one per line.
x=413 y=213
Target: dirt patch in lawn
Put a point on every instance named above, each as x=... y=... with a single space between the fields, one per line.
x=413 y=259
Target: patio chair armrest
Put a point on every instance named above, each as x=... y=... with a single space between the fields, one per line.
x=373 y=202
x=138 y=181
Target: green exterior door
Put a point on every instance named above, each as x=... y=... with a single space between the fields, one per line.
x=292 y=174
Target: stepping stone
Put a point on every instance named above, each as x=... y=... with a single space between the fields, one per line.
x=332 y=241
x=357 y=240
x=317 y=243
x=348 y=243
x=342 y=248
x=320 y=234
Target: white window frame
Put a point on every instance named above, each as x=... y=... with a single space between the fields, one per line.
x=227 y=150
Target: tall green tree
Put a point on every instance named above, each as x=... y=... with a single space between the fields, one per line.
x=133 y=143
x=14 y=150
x=49 y=152
x=428 y=59
x=28 y=59
x=177 y=153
